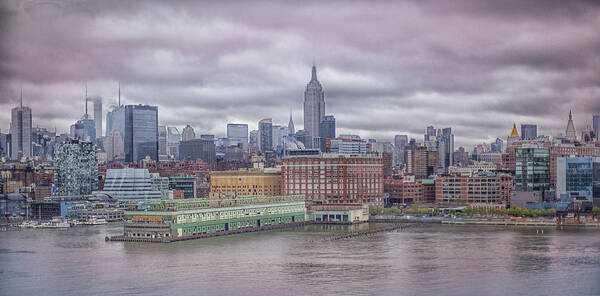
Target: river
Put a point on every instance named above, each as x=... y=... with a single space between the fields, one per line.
x=420 y=260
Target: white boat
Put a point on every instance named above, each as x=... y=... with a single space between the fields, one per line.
x=56 y=223
x=96 y=221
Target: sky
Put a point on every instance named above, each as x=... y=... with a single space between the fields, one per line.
x=387 y=67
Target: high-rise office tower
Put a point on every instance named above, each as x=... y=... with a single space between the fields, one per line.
x=430 y=133
x=596 y=126
x=85 y=128
x=141 y=132
x=528 y=131
x=195 y=149
x=498 y=146
x=532 y=169
x=75 y=168
x=173 y=139
x=20 y=130
x=253 y=140
x=314 y=105
x=446 y=148
x=98 y=116
x=162 y=140
x=5 y=145
x=115 y=121
x=188 y=133
x=113 y=146
x=327 y=127
x=570 y=133
x=265 y=135
x=400 y=141
x=237 y=133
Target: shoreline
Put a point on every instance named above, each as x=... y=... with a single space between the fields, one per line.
x=488 y=222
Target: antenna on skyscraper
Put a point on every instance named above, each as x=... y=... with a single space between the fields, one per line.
x=119 y=94
x=86 y=100
x=21 y=96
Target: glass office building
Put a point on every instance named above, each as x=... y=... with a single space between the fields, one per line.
x=141 y=132
x=532 y=170
x=576 y=177
x=129 y=184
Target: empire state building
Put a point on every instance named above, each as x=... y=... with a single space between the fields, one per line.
x=314 y=105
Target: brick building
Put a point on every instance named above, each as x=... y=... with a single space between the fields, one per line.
x=334 y=178
x=474 y=189
x=421 y=162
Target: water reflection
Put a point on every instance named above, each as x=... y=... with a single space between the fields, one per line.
x=420 y=260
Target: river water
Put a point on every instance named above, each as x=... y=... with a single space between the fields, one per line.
x=420 y=260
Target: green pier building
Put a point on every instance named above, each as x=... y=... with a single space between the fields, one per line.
x=173 y=220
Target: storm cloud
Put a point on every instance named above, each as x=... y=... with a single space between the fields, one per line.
x=386 y=67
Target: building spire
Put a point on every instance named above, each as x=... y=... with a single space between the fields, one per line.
x=21 y=96
x=86 y=101
x=119 y=93
x=291 y=129
x=570 y=132
x=314 y=73
x=514 y=132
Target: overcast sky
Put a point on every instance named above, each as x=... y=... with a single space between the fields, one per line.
x=386 y=68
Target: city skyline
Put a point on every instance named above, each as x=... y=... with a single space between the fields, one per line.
x=224 y=68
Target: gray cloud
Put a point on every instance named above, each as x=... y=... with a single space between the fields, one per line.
x=387 y=68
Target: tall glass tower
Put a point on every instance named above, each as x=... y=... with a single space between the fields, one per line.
x=141 y=132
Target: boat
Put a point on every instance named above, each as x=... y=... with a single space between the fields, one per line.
x=56 y=223
x=96 y=221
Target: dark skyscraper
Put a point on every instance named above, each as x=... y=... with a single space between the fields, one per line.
x=141 y=132
x=98 y=116
x=327 y=127
x=195 y=149
x=265 y=135
x=446 y=148
x=20 y=130
x=400 y=141
x=528 y=131
x=429 y=133
x=314 y=105
x=237 y=133
x=596 y=125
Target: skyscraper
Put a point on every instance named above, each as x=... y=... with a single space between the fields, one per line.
x=188 y=133
x=265 y=135
x=162 y=141
x=314 y=105
x=20 y=130
x=446 y=148
x=113 y=146
x=237 y=133
x=430 y=133
x=75 y=168
x=141 y=132
x=514 y=136
x=570 y=133
x=291 y=128
x=400 y=141
x=596 y=126
x=327 y=127
x=528 y=131
x=532 y=170
x=173 y=139
x=195 y=149
x=98 y=116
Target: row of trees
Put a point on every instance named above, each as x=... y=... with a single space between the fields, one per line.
x=470 y=211
x=513 y=211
